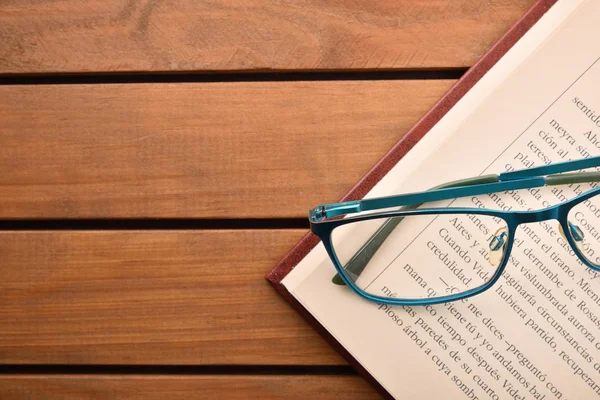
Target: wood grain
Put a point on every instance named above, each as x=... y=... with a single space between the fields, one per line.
x=150 y=297
x=60 y=36
x=202 y=150
x=83 y=387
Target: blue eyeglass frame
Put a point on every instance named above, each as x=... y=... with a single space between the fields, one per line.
x=326 y=217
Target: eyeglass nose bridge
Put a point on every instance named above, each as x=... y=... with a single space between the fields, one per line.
x=554 y=212
x=526 y=217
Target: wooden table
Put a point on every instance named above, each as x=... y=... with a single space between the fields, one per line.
x=157 y=158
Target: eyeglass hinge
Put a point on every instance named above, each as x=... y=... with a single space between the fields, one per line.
x=333 y=210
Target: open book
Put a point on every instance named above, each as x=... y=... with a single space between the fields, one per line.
x=536 y=333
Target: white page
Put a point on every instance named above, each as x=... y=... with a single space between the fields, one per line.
x=496 y=125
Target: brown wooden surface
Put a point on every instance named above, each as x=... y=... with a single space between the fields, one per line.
x=201 y=150
x=84 y=387
x=223 y=35
x=150 y=297
x=116 y=300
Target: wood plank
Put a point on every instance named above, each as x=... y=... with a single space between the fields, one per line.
x=150 y=297
x=123 y=36
x=277 y=387
x=202 y=150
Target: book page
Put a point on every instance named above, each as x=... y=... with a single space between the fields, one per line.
x=535 y=334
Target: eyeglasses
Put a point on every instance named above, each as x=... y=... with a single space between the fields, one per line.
x=415 y=255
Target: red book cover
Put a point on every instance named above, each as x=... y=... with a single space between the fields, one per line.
x=402 y=147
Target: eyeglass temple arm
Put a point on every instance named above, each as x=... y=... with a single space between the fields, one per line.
x=359 y=261
x=515 y=180
x=551 y=169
